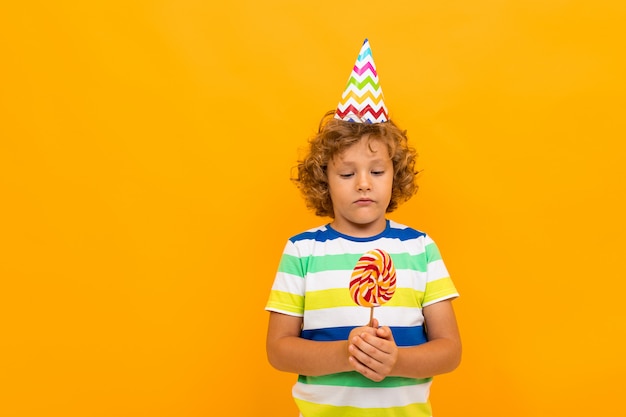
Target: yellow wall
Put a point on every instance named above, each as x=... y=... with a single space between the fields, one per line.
x=146 y=145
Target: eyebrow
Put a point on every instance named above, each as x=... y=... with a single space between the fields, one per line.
x=372 y=161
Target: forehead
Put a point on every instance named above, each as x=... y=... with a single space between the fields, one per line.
x=366 y=148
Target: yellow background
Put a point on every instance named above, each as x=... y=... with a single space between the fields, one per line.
x=145 y=155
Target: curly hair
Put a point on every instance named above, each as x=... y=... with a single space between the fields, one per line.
x=332 y=138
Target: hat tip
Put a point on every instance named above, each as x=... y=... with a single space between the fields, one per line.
x=362 y=100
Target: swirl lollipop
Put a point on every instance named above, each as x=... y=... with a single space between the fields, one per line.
x=373 y=280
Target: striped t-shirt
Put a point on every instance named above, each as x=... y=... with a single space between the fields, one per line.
x=312 y=282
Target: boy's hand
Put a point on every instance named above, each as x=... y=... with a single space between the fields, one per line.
x=373 y=351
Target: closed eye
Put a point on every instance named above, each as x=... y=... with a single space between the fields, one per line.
x=378 y=172
x=346 y=175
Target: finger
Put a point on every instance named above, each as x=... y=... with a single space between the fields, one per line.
x=362 y=350
x=365 y=371
x=368 y=353
x=375 y=342
x=363 y=330
x=375 y=366
x=363 y=362
x=380 y=345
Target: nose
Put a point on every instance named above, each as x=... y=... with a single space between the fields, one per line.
x=363 y=182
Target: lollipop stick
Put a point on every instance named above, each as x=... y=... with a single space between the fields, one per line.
x=371 y=317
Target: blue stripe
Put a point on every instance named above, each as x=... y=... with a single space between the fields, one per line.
x=365 y=53
x=328 y=334
x=321 y=235
x=404 y=234
x=409 y=336
x=328 y=233
x=403 y=336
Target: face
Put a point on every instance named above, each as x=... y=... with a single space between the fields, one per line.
x=360 y=181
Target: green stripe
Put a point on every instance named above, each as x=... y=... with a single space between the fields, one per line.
x=292 y=265
x=432 y=252
x=355 y=379
x=360 y=84
x=346 y=262
x=411 y=410
x=340 y=297
x=406 y=261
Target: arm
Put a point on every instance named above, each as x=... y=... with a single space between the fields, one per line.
x=287 y=351
x=379 y=357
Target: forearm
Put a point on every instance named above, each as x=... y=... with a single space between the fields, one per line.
x=307 y=357
x=432 y=358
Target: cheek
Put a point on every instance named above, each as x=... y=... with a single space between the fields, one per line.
x=390 y=187
x=334 y=190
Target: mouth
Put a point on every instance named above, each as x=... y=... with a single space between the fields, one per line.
x=364 y=201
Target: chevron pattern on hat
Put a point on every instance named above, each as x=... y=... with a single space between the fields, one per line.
x=362 y=101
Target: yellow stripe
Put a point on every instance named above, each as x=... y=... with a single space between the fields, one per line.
x=361 y=97
x=439 y=288
x=340 y=297
x=286 y=301
x=412 y=410
x=406 y=297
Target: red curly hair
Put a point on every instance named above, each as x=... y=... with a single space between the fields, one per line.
x=332 y=138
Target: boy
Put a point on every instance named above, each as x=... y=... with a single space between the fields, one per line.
x=359 y=168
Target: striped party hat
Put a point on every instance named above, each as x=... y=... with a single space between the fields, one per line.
x=362 y=101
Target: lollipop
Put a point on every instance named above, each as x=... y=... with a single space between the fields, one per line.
x=373 y=280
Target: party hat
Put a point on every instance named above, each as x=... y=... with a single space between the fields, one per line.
x=362 y=101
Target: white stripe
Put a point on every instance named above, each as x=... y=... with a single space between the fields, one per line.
x=285 y=312
x=328 y=280
x=396 y=225
x=436 y=270
x=343 y=247
x=376 y=105
x=333 y=279
x=357 y=315
x=447 y=297
x=288 y=283
x=399 y=316
x=292 y=249
x=336 y=317
x=362 y=397
x=415 y=280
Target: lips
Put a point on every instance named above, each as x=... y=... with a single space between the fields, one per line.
x=364 y=201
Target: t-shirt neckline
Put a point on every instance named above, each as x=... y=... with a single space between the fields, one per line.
x=360 y=239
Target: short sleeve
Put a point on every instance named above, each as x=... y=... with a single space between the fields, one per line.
x=287 y=293
x=439 y=285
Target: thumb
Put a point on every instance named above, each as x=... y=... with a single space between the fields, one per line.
x=384 y=333
x=375 y=323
